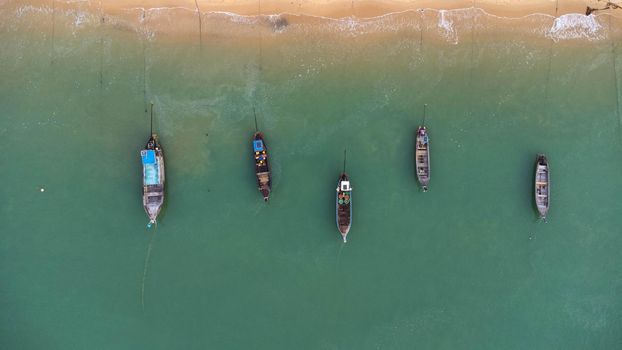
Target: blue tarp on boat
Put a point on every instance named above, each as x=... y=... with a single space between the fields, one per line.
x=151 y=170
x=258 y=145
x=152 y=174
x=148 y=156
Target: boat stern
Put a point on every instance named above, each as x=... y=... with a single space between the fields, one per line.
x=344 y=229
x=152 y=212
x=152 y=202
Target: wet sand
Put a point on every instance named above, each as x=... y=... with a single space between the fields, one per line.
x=448 y=21
x=330 y=9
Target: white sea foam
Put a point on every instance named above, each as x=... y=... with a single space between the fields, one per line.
x=446 y=26
x=28 y=9
x=576 y=26
x=80 y=18
x=161 y=9
x=234 y=17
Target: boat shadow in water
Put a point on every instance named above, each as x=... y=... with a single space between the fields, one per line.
x=328 y=204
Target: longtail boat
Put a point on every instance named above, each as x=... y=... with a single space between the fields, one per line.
x=153 y=176
x=344 y=204
x=542 y=185
x=422 y=155
x=262 y=165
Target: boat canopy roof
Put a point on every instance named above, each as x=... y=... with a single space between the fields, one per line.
x=345 y=186
x=151 y=174
x=258 y=145
x=148 y=156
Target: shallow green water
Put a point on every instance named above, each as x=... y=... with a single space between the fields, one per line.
x=465 y=265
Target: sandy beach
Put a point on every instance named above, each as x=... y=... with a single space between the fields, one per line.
x=447 y=21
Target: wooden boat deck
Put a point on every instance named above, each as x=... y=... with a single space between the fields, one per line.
x=344 y=206
x=153 y=170
x=422 y=157
x=542 y=185
x=262 y=165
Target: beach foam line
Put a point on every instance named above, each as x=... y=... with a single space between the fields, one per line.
x=565 y=27
x=576 y=26
x=48 y=9
x=385 y=15
x=570 y=26
x=313 y=7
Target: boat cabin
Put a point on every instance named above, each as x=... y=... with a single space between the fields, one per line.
x=260 y=152
x=258 y=146
x=345 y=186
x=343 y=193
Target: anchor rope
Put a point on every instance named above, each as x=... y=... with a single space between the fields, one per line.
x=259 y=58
x=144 y=44
x=196 y=4
x=615 y=74
x=53 y=29
x=548 y=74
x=421 y=31
x=260 y=38
x=548 y=70
x=101 y=46
x=146 y=267
x=472 y=59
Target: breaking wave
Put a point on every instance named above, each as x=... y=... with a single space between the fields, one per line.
x=445 y=25
x=576 y=26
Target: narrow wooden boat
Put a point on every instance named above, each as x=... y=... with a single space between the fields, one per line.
x=262 y=165
x=422 y=157
x=542 y=185
x=344 y=205
x=344 y=202
x=153 y=176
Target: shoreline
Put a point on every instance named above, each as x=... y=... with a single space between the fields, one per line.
x=228 y=20
x=338 y=9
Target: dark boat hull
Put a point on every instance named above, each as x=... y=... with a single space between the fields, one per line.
x=262 y=165
x=153 y=178
x=344 y=205
x=422 y=157
x=542 y=190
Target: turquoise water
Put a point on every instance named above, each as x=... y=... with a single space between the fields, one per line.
x=466 y=265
